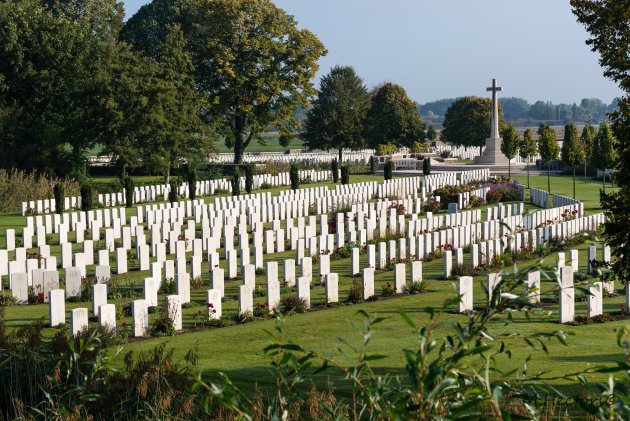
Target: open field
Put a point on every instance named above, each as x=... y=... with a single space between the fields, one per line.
x=270 y=144
x=237 y=349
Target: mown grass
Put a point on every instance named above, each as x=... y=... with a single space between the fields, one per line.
x=237 y=350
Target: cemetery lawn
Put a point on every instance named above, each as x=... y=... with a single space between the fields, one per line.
x=238 y=349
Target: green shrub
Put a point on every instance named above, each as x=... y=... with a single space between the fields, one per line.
x=58 y=191
x=169 y=286
x=87 y=197
x=355 y=294
x=265 y=186
x=388 y=170
x=249 y=177
x=292 y=304
x=345 y=175
x=18 y=186
x=419 y=147
x=386 y=149
x=236 y=183
x=242 y=318
x=163 y=325
x=294 y=175
x=192 y=183
x=449 y=194
x=129 y=187
x=417 y=287
x=426 y=166
x=173 y=196
x=334 y=167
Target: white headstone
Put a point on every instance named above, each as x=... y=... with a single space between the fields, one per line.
x=567 y=295
x=57 y=307
x=465 y=292
x=107 y=316
x=332 y=288
x=213 y=301
x=183 y=287
x=368 y=283
x=140 y=317
x=99 y=297
x=400 y=275
x=304 y=289
x=245 y=299
x=79 y=321
x=174 y=308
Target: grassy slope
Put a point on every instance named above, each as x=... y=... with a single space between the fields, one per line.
x=238 y=349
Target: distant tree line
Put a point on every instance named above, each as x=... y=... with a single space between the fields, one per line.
x=589 y=110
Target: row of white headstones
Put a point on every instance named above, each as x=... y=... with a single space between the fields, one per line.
x=166 y=222
x=565 y=274
x=466 y=231
x=159 y=192
x=107 y=315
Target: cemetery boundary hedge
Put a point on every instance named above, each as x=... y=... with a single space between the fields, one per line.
x=19 y=186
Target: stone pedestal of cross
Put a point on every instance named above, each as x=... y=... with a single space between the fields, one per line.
x=492 y=154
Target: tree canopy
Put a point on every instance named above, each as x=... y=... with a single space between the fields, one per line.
x=467 y=121
x=253 y=65
x=607 y=23
x=337 y=115
x=510 y=143
x=573 y=153
x=528 y=146
x=392 y=118
x=548 y=145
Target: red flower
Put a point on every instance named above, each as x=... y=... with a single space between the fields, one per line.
x=210 y=305
x=124 y=324
x=214 y=311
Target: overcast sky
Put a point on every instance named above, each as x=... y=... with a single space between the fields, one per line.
x=449 y=48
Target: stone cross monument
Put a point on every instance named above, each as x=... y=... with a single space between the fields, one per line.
x=492 y=154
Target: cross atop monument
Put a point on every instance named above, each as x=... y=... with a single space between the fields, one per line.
x=492 y=154
x=494 y=128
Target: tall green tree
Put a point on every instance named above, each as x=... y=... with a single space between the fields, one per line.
x=588 y=140
x=573 y=153
x=393 y=118
x=527 y=149
x=549 y=151
x=147 y=29
x=605 y=154
x=253 y=65
x=607 y=23
x=509 y=145
x=335 y=120
x=467 y=122
x=49 y=66
x=179 y=132
x=431 y=133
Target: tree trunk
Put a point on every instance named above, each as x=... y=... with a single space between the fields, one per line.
x=549 y=184
x=167 y=174
x=604 y=180
x=574 y=182
x=239 y=149
x=528 y=186
x=585 y=171
x=509 y=169
x=340 y=156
